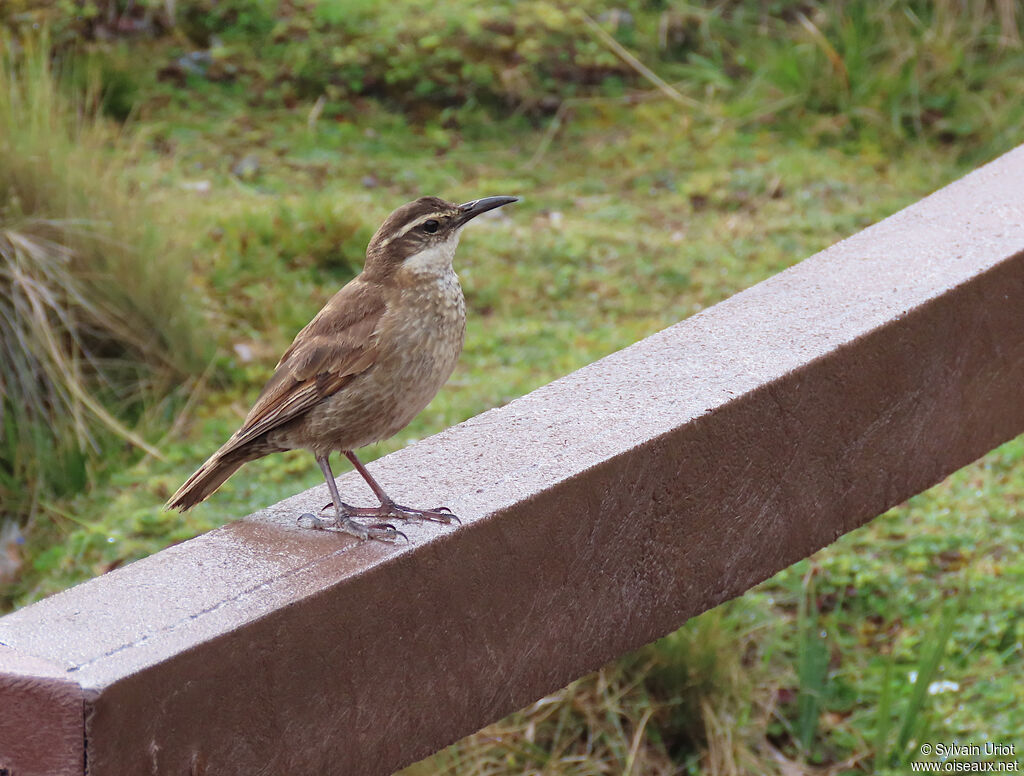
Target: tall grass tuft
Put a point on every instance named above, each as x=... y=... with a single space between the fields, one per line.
x=95 y=321
x=811 y=667
x=891 y=72
x=916 y=718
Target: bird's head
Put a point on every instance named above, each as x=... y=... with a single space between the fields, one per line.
x=420 y=237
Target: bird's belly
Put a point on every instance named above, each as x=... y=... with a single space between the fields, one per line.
x=413 y=364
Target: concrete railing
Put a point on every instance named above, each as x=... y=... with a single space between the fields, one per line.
x=599 y=513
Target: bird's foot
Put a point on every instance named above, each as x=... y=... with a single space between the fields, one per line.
x=382 y=531
x=436 y=515
x=391 y=510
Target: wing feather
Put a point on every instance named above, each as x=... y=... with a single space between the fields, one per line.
x=339 y=343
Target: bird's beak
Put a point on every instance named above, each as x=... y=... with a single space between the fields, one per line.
x=470 y=210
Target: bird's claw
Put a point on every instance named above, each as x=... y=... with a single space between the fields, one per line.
x=309 y=520
x=387 y=532
x=436 y=515
x=381 y=531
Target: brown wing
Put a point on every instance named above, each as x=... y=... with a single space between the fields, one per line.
x=339 y=343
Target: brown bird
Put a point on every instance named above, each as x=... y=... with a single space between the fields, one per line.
x=364 y=367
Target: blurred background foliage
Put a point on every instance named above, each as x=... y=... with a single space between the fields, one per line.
x=897 y=69
x=184 y=182
x=91 y=338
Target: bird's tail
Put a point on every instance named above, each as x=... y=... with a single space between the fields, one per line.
x=208 y=477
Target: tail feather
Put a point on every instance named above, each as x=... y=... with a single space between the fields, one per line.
x=207 y=478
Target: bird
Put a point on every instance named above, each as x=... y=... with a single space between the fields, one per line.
x=363 y=367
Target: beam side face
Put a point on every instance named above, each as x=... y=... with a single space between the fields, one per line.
x=599 y=512
x=42 y=729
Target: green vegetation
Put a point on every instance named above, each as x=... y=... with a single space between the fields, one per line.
x=270 y=138
x=91 y=336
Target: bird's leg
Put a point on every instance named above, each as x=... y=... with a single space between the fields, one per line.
x=343 y=513
x=388 y=508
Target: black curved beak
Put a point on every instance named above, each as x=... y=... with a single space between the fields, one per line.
x=470 y=210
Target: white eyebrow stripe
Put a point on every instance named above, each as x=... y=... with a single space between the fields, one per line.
x=405 y=229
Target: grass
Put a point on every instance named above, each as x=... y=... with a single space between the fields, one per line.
x=636 y=213
x=91 y=338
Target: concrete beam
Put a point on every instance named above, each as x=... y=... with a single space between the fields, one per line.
x=599 y=513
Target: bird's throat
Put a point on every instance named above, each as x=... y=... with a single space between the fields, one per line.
x=435 y=260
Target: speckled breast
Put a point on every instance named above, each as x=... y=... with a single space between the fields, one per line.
x=419 y=342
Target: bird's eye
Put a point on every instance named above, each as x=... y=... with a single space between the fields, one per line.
x=430 y=226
